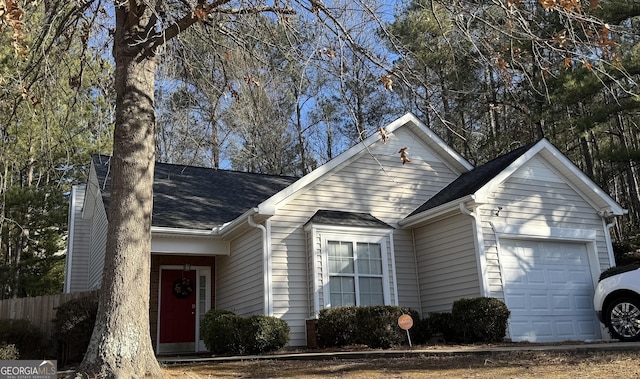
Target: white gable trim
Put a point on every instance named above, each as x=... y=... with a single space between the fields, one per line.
x=70 y=237
x=443 y=210
x=578 y=180
x=450 y=156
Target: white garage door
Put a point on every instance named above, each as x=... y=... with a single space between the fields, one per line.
x=549 y=291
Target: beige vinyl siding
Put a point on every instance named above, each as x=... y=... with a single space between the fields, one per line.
x=239 y=276
x=406 y=273
x=447 y=263
x=536 y=196
x=376 y=183
x=289 y=278
x=78 y=258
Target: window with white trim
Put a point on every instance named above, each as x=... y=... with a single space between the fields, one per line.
x=357 y=270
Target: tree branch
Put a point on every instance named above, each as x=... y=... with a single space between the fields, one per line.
x=256 y=10
x=188 y=20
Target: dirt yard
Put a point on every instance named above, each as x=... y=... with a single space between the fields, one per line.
x=521 y=365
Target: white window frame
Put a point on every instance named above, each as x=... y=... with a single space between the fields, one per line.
x=361 y=236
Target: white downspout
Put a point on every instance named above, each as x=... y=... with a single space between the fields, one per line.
x=607 y=238
x=481 y=259
x=266 y=263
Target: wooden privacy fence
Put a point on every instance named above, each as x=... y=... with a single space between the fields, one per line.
x=39 y=310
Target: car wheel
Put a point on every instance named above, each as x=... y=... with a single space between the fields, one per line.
x=624 y=319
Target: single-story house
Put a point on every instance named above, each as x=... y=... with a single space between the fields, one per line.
x=398 y=219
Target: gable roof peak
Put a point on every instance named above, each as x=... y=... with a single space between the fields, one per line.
x=452 y=158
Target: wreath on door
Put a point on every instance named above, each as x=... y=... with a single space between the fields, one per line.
x=182 y=288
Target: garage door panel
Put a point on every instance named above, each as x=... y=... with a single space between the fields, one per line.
x=548 y=289
x=557 y=276
x=553 y=329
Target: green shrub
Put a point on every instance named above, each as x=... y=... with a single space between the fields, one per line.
x=337 y=326
x=441 y=324
x=481 y=319
x=8 y=352
x=73 y=326
x=26 y=338
x=265 y=333
x=422 y=331
x=223 y=332
x=377 y=326
x=374 y=326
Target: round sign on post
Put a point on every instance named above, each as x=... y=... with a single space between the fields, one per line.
x=405 y=322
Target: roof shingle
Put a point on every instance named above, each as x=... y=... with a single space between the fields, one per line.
x=473 y=180
x=199 y=197
x=342 y=218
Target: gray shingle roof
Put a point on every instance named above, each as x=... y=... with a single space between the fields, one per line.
x=198 y=197
x=470 y=182
x=342 y=218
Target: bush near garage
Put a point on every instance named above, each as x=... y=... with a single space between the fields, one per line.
x=374 y=326
x=224 y=332
x=440 y=325
x=73 y=327
x=480 y=319
x=26 y=338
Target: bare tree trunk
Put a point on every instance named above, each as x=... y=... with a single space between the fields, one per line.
x=121 y=346
x=586 y=154
x=215 y=144
x=631 y=183
x=301 y=149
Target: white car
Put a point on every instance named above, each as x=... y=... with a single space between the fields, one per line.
x=617 y=302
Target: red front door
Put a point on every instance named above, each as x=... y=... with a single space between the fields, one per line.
x=178 y=308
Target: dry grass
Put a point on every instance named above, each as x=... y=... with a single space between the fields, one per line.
x=522 y=364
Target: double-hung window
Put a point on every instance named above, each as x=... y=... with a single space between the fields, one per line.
x=350 y=260
x=356 y=271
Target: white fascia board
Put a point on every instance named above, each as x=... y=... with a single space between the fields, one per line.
x=92 y=192
x=440 y=210
x=559 y=161
x=166 y=231
x=230 y=226
x=70 y=236
x=179 y=241
x=449 y=155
